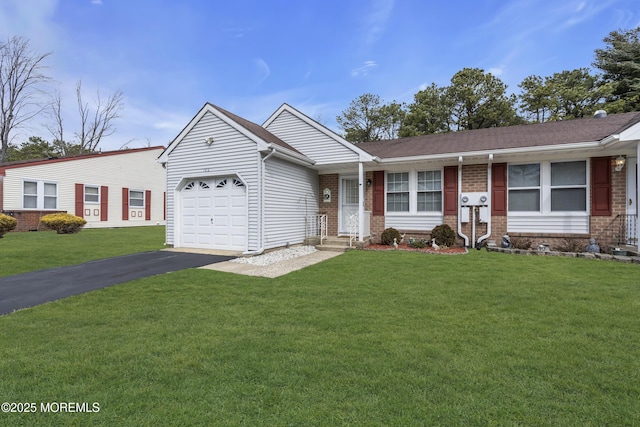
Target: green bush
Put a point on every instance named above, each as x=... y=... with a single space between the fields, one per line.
x=387 y=236
x=7 y=223
x=63 y=223
x=418 y=243
x=444 y=235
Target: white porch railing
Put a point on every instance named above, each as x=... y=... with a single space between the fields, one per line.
x=316 y=226
x=354 y=226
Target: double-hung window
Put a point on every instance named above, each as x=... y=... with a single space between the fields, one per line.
x=548 y=187
x=398 y=192
x=39 y=195
x=91 y=194
x=430 y=191
x=569 y=186
x=524 y=188
x=136 y=199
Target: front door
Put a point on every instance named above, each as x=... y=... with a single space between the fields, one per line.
x=348 y=202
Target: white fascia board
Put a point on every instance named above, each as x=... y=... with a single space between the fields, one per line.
x=485 y=153
x=630 y=134
x=363 y=155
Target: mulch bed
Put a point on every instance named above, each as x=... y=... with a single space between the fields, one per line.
x=455 y=250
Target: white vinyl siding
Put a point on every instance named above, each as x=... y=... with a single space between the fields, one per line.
x=123 y=169
x=291 y=193
x=231 y=154
x=310 y=141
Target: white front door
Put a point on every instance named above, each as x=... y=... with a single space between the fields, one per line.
x=348 y=202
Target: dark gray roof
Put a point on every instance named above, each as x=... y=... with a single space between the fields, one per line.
x=257 y=130
x=521 y=136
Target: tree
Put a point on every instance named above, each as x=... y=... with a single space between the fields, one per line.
x=620 y=64
x=575 y=94
x=429 y=113
x=21 y=78
x=535 y=99
x=99 y=124
x=480 y=100
x=35 y=148
x=367 y=119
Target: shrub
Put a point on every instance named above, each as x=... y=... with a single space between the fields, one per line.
x=63 y=223
x=570 y=244
x=520 y=243
x=386 y=238
x=444 y=235
x=418 y=243
x=7 y=223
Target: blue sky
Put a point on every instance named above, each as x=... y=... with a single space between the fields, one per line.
x=169 y=57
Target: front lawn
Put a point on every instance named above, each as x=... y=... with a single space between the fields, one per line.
x=366 y=338
x=30 y=251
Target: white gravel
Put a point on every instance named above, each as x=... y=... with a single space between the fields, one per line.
x=276 y=256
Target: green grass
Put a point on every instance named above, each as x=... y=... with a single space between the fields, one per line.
x=366 y=338
x=23 y=252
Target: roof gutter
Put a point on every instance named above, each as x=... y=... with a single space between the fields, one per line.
x=484 y=153
x=289 y=155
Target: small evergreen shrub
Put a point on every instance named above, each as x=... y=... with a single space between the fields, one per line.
x=63 y=223
x=444 y=235
x=418 y=243
x=386 y=238
x=7 y=223
x=520 y=243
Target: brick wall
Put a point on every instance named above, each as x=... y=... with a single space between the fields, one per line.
x=330 y=208
x=29 y=220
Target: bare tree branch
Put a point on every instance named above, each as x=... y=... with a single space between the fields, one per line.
x=21 y=76
x=100 y=125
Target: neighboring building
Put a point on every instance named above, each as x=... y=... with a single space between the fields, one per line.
x=111 y=189
x=235 y=185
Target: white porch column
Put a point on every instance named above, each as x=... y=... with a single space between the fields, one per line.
x=361 y=184
x=637 y=195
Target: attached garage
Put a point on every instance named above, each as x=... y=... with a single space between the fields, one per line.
x=214 y=214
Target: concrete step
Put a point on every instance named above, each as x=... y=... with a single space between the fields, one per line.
x=334 y=248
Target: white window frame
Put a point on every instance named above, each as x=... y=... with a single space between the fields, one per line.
x=419 y=191
x=402 y=191
x=131 y=205
x=413 y=193
x=40 y=195
x=546 y=187
x=91 y=202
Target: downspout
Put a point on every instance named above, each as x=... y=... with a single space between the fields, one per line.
x=489 y=191
x=466 y=239
x=261 y=202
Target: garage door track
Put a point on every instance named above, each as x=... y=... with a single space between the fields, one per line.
x=31 y=289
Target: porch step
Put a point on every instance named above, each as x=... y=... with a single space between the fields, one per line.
x=339 y=244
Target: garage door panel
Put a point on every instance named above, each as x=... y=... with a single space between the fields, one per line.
x=214 y=216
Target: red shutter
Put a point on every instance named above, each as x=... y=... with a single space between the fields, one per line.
x=147 y=205
x=499 y=189
x=601 y=186
x=104 y=203
x=378 y=193
x=125 y=204
x=80 y=200
x=451 y=190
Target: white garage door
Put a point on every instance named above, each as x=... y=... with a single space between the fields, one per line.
x=214 y=214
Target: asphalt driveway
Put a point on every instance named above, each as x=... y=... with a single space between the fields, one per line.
x=31 y=289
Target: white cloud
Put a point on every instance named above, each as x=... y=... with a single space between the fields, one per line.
x=364 y=69
x=263 y=70
x=97 y=2
x=376 y=19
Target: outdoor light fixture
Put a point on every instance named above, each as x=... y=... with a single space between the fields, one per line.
x=209 y=141
x=369 y=182
x=620 y=161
